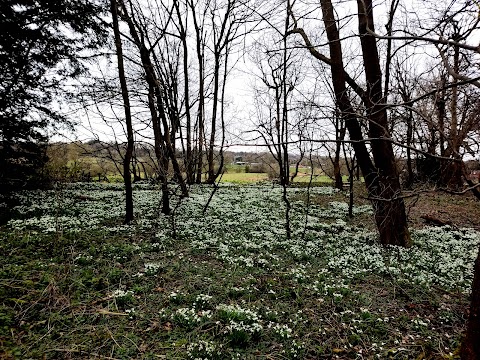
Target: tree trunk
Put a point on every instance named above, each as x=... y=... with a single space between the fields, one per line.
x=155 y=84
x=470 y=349
x=200 y=46
x=451 y=170
x=340 y=136
x=381 y=178
x=211 y=147
x=390 y=214
x=451 y=173
x=189 y=154
x=284 y=124
x=165 y=190
x=336 y=169
x=162 y=159
x=222 y=115
x=128 y=116
x=410 y=174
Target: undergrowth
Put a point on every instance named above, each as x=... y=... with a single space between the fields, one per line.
x=75 y=283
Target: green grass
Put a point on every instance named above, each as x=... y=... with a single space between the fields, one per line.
x=248 y=178
x=305 y=178
x=244 y=178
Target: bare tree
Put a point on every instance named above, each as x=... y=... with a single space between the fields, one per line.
x=128 y=115
x=138 y=27
x=380 y=173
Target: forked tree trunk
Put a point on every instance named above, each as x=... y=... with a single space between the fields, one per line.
x=470 y=349
x=389 y=210
x=381 y=176
x=162 y=159
x=390 y=214
x=158 y=119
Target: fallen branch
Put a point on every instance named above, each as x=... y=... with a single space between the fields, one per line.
x=430 y=219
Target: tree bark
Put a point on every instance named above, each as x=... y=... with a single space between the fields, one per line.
x=340 y=136
x=189 y=166
x=451 y=170
x=154 y=84
x=390 y=214
x=381 y=176
x=211 y=146
x=200 y=47
x=470 y=349
x=128 y=115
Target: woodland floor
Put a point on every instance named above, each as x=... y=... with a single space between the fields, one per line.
x=227 y=283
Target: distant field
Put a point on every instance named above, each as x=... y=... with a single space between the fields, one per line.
x=242 y=178
x=233 y=174
x=246 y=178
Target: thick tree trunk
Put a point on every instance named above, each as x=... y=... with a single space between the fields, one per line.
x=390 y=214
x=451 y=174
x=470 y=349
x=128 y=116
x=389 y=209
x=381 y=178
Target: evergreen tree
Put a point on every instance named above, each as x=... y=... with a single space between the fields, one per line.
x=40 y=44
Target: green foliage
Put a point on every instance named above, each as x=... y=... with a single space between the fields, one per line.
x=39 y=44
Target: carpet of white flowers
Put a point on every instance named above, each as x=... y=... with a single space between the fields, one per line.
x=224 y=282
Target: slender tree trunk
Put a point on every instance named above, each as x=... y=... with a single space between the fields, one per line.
x=340 y=136
x=189 y=166
x=216 y=83
x=128 y=115
x=470 y=349
x=200 y=46
x=451 y=171
x=201 y=132
x=162 y=158
x=222 y=114
x=285 y=91
x=410 y=174
x=278 y=130
x=157 y=133
x=405 y=93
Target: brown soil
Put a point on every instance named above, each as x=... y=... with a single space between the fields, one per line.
x=456 y=210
